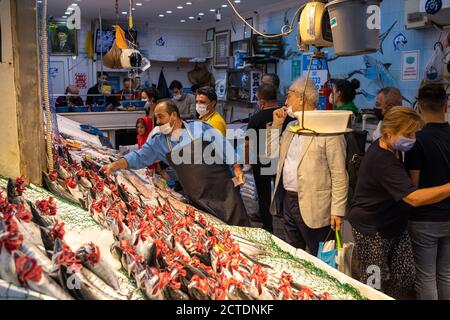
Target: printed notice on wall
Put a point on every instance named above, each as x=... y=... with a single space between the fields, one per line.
x=410 y=65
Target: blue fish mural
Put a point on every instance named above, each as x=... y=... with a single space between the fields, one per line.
x=379 y=75
x=399 y=41
x=376 y=71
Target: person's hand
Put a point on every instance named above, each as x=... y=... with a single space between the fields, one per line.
x=239 y=176
x=336 y=222
x=279 y=116
x=109 y=168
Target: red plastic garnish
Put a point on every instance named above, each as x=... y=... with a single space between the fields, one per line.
x=21 y=185
x=57 y=231
x=28 y=269
x=70 y=182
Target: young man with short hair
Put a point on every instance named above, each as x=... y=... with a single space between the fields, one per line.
x=206 y=101
x=429 y=166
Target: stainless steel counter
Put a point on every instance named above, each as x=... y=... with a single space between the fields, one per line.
x=107 y=122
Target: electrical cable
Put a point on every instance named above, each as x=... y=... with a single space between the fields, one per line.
x=282 y=34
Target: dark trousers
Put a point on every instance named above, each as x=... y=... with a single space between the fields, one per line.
x=297 y=233
x=264 y=190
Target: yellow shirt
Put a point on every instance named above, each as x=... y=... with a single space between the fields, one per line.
x=216 y=121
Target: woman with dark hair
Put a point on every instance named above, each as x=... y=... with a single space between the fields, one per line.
x=344 y=92
x=150 y=96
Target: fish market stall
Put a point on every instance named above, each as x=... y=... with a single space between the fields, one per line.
x=108 y=122
x=128 y=236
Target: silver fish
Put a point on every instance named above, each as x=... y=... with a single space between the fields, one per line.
x=8 y=267
x=58 y=190
x=44 y=285
x=101 y=285
x=34 y=252
x=100 y=267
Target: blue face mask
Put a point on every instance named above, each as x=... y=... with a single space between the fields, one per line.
x=404 y=144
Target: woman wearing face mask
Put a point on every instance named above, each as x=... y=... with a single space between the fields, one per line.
x=383 y=199
x=150 y=97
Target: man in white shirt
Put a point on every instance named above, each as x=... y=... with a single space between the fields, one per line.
x=387 y=98
x=311 y=178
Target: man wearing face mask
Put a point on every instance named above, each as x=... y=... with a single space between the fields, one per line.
x=184 y=102
x=97 y=95
x=206 y=101
x=209 y=187
x=384 y=197
x=311 y=179
x=387 y=98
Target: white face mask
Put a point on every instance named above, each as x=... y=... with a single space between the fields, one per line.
x=202 y=109
x=177 y=97
x=144 y=100
x=290 y=112
x=166 y=129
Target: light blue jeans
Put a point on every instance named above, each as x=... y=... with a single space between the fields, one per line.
x=431 y=248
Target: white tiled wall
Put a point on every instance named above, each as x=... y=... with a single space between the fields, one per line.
x=178 y=43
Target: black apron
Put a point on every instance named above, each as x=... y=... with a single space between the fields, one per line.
x=209 y=186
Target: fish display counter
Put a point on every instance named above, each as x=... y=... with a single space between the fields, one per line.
x=108 y=122
x=128 y=236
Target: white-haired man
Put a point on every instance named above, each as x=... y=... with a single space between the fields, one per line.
x=312 y=182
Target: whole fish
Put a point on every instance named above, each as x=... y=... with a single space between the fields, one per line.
x=92 y=259
x=79 y=287
x=10 y=241
x=62 y=172
x=40 y=218
x=30 y=273
x=101 y=285
x=31 y=232
x=14 y=195
x=34 y=252
x=175 y=294
x=154 y=288
x=58 y=190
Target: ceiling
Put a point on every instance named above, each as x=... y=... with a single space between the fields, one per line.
x=150 y=10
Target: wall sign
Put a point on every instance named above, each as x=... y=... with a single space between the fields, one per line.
x=410 y=65
x=319 y=72
x=222 y=46
x=256 y=77
x=81 y=80
x=296 y=70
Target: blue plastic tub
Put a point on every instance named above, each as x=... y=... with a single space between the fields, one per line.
x=133 y=103
x=64 y=109
x=79 y=109
x=98 y=109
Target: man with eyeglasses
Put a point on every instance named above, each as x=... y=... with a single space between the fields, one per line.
x=311 y=178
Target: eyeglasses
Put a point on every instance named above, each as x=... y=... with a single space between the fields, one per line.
x=290 y=92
